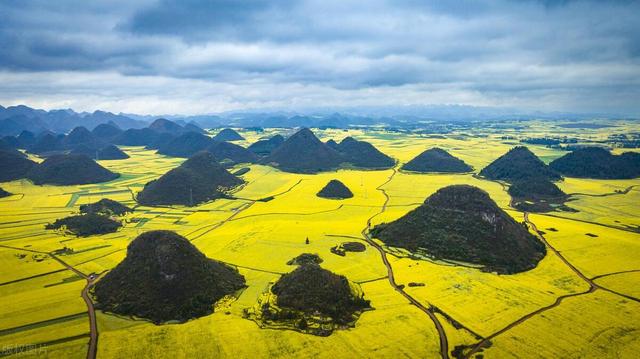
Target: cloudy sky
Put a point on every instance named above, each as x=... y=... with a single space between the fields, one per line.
x=196 y=56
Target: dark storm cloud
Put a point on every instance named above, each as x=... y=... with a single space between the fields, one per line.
x=205 y=19
x=488 y=51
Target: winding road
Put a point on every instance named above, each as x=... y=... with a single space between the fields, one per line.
x=592 y=288
x=444 y=344
x=93 y=326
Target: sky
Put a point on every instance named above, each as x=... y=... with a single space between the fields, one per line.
x=198 y=57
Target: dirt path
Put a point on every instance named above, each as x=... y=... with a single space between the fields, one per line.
x=624 y=191
x=240 y=210
x=444 y=344
x=217 y=225
x=589 y=281
x=93 y=325
x=615 y=273
x=627 y=229
x=592 y=288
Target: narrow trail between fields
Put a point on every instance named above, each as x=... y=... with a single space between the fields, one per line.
x=615 y=193
x=93 y=326
x=615 y=273
x=486 y=342
x=246 y=206
x=219 y=224
x=444 y=344
x=630 y=230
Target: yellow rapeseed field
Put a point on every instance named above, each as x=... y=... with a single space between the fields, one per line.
x=267 y=224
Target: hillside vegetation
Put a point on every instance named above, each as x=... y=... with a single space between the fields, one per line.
x=165 y=278
x=518 y=164
x=436 y=160
x=462 y=223
x=198 y=179
x=597 y=162
x=69 y=170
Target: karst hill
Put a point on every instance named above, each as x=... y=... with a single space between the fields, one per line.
x=165 y=278
x=462 y=223
x=436 y=160
x=198 y=179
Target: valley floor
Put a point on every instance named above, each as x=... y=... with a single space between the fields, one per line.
x=582 y=300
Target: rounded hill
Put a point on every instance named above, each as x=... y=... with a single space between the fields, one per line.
x=165 y=278
x=198 y=179
x=303 y=152
x=265 y=147
x=230 y=151
x=109 y=152
x=86 y=224
x=311 y=289
x=164 y=125
x=106 y=131
x=462 y=223
x=538 y=195
x=137 y=137
x=362 y=154
x=70 y=170
x=185 y=145
x=228 y=134
x=599 y=163
x=14 y=165
x=518 y=164
x=436 y=160
x=335 y=190
x=105 y=206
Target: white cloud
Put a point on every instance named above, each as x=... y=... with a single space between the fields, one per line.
x=195 y=56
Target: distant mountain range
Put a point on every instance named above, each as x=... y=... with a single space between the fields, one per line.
x=15 y=119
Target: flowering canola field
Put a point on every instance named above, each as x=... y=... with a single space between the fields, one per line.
x=550 y=311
